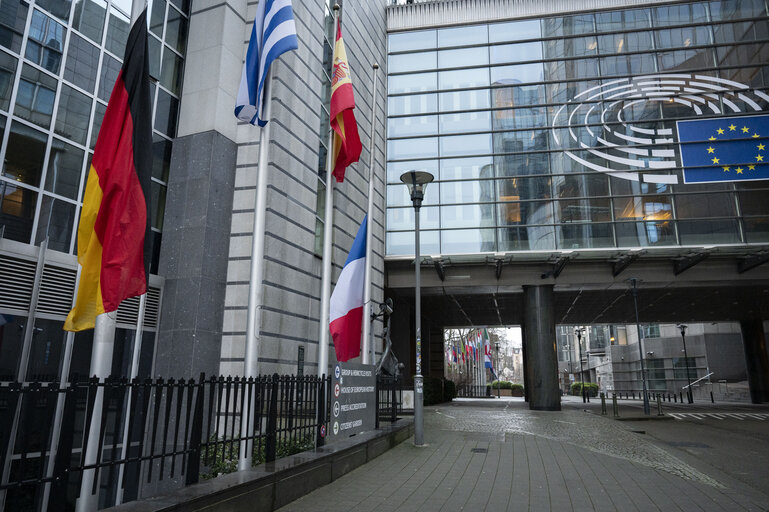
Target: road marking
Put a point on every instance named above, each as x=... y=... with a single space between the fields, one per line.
x=741 y=416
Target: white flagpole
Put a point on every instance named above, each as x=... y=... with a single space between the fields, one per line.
x=328 y=233
x=367 y=345
x=255 y=289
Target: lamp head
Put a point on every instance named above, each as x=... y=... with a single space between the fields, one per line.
x=683 y=328
x=417 y=182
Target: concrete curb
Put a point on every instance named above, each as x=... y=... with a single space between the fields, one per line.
x=270 y=486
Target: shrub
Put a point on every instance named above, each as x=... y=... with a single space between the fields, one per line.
x=219 y=464
x=433 y=390
x=449 y=390
x=591 y=388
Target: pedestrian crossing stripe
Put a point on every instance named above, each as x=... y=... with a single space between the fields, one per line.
x=720 y=415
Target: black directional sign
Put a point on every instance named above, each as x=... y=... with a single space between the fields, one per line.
x=352 y=400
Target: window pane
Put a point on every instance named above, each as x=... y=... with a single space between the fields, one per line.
x=34 y=99
x=414 y=125
x=403 y=218
x=578 y=235
x=171 y=74
x=17 y=211
x=402 y=41
x=621 y=43
x=412 y=104
x=166 y=113
x=756 y=229
x=519 y=52
x=161 y=157
x=412 y=148
x=573 y=47
x=463 y=100
x=466 y=168
x=184 y=5
x=641 y=234
x=46 y=42
x=468 y=215
x=536 y=238
x=583 y=185
x=684 y=36
x=583 y=210
x=13 y=19
x=412 y=83
x=465 y=122
x=158 y=204
x=462 y=78
x=98 y=117
x=466 y=145
x=123 y=5
x=705 y=205
x=153 y=46
x=158 y=16
x=514 y=31
x=74 y=114
x=7 y=72
x=395 y=169
x=82 y=63
x=466 y=191
x=521 y=73
x=708 y=232
x=462 y=57
x=411 y=62
x=176 y=31
x=458 y=241
x=89 y=18
x=25 y=153
x=643 y=208
x=117 y=33
x=512 y=212
x=515 y=189
x=110 y=69
x=730 y=10
x=64 y=168
x=59 y=8
x=462 y=36
x=55 y=223
x=569 y=25
x=622 y=20
x=403 y=243
x=679 y=14
x=685 y=59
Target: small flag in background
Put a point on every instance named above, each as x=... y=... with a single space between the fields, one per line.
x=346 y=306
x=113 y=242
x=273 y=34
x=347 y=145
x=724 y=149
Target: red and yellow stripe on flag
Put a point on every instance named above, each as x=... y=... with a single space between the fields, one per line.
x=113 y=243
x=347 y=145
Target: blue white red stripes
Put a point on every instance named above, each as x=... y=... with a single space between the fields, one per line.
x=274 y=33
x=346 y=305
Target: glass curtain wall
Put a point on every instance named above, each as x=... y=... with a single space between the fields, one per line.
x=58 y=63
x=484 y=109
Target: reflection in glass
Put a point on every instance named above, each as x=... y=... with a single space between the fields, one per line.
x=98 y=117
x=110 y=69
x=737 y=55
x=7 y=71
x=568 y=25
x=161 y=157
x=518 y=188
x=463 y=241
x=513 y=212
x=412 y=104
x=730 y=10
x=73 y=116
x=153 y=48
x=682 y=36
x=524 y=238
x=572 y=47
x=723 y=231
x=685 y=59
x=117 y=33
x=403 y=218
x=462 y=78
x=582 y=185
x=741 y=31
x=82 y=63
x=402 y=243
x=583 y=210
x=466 y=191
x=411 y=62
x=398 y=195
x=157 y=204
x=462 y=57
x=465 y=122
x=35 y=96
x=464 y=100
x=59 y=8
x=514 y=31
x=157 y=16
x=166 y=113
x=576 y=236
x=642 y=234
x=466 y=145
x=395 y=169
x=468 y=215
x=55 y=223
x=519 y=52
x=171 y=73
x=46 y=42
x=521 y=73
x=89 y=18
x=12 y=23
x=412 y=125
x=402 y=41
x=655 y=208
x=694 y=206
x=623 y=20
x=679 y=14
x=24 y=155
x=412 y=83
x=622 y=43
x=176 y=31
x=465 y=168
x=65 y=165
x=756 y=229
x=17 y=211
x=627 y=65
x=412 y=148
x=461 y=36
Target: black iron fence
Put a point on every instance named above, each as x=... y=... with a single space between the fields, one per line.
x=175 y=428
x=389 y=398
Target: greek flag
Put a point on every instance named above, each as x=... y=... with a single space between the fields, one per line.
x=274 y=33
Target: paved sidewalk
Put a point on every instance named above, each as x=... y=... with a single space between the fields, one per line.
x=496 y=455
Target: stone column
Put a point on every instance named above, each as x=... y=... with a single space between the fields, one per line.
x=540 y=357
x=756 y=359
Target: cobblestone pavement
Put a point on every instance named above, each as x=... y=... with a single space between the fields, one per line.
x=497 y=455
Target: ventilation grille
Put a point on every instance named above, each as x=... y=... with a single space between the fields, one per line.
x=16 y=279
x=56 y=290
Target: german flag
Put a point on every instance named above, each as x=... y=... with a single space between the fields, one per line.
x=113 y=242
x=347 y=146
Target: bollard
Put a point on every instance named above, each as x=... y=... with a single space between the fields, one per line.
x=633 y=395
x=659 y=406
x=675 y=398
x=614 y=405
x=603 y=404
x=681 y=396
x=712 y=401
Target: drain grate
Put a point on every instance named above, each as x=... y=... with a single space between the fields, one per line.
x=480 y=450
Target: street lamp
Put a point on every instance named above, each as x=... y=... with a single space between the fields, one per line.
x=689 y=396
x=417 y=183
x=579 y=331
x=634 y=291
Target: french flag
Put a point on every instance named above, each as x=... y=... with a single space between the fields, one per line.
x=346 y=306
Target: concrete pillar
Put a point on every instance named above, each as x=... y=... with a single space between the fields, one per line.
x=756 y=359
x=540 y=357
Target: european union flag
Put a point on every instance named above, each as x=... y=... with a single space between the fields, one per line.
x=724 y=149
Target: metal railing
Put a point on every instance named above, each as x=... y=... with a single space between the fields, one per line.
x=389 y=398
x=471 y=391
x=175 y=428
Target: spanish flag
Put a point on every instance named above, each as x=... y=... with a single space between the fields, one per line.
x=347 y=146
x=113 y=242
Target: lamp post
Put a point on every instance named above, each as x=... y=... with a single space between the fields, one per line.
x=417 y=182
x=579 y=331
x=634 y=291
x=499 y=369
x=689 y=396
